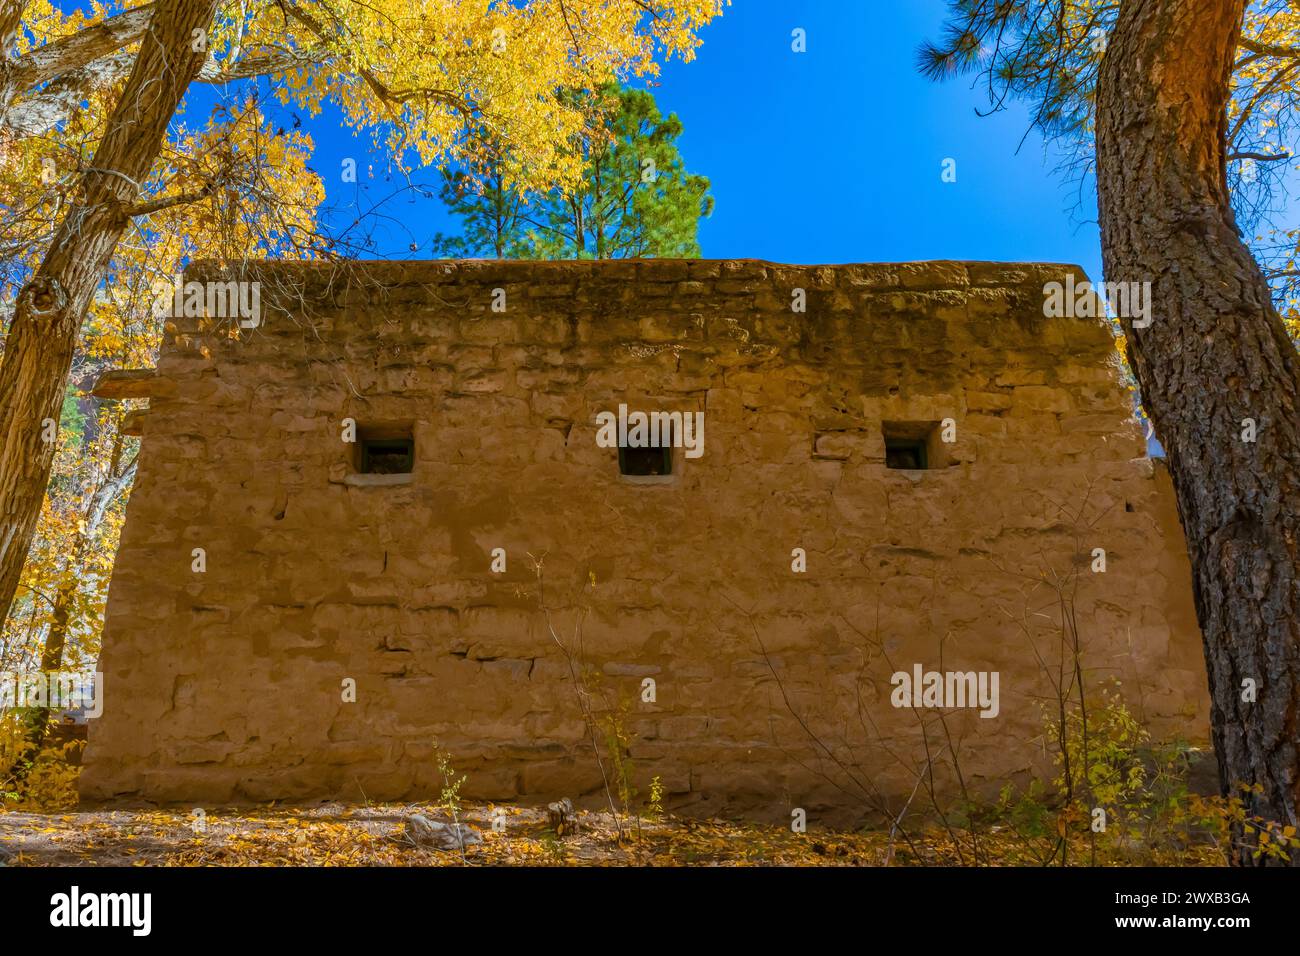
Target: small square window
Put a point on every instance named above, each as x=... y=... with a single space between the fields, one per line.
x=913 y=446
x=386 y=455
x=642 y=462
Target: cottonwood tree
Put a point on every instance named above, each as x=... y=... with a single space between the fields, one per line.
x=55 y=615
x=49 y=308
x=415 y=75
x=1159 y=89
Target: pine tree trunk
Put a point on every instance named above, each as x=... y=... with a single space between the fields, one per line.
x=1214 y=363
x=39 y=349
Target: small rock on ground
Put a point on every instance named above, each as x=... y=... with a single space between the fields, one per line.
x=436 y=835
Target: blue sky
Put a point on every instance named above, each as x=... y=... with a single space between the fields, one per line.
x=832 y=155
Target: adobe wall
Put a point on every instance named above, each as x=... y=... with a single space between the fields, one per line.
x=225 y=686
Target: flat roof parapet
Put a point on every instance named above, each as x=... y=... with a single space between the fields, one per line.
x=914 y=276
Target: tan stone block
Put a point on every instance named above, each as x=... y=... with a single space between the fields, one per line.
x=933 y=275
x=570 y=777
x=496 y=784
x=987 y=401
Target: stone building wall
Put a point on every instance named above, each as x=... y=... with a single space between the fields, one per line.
x=771 y=686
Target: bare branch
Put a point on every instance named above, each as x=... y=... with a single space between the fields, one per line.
x=1261 y=157
x=1269 y=49
x=167 y=202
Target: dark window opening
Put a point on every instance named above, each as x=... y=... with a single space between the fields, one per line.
x=386 y=456
x=908 y=454
x=641 y=462
x=914 y=446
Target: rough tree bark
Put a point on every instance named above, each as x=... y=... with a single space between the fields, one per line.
x=11 y=15
x=75 y=51
x=1214 y=360
x=74 y=63
x=47 y=85
x=50 y=308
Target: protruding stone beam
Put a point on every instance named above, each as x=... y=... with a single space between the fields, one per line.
x=131 y=383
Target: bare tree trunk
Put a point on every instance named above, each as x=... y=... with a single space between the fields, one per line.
x=50 y=307
x=1214 y=365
